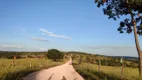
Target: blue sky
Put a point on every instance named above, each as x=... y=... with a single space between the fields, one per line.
x=67 y=25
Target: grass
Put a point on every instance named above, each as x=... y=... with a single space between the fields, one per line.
x=90 y=72
x=88 y=68
x=22 y=67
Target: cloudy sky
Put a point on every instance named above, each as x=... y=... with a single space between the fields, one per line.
x=67 y=25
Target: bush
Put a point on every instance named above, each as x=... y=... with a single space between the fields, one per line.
x=55 y=54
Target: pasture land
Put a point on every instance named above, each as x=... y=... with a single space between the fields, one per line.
x=90 y=72
x=15 y=70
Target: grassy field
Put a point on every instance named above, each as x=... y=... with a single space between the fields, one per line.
x=85 y=64
x=90 y=72
x=21 y=67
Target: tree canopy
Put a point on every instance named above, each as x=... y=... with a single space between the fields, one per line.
x=55 y=54
x=116 y=8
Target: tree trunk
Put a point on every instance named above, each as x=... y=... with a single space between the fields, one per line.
x=137 y=45
x=140 y=65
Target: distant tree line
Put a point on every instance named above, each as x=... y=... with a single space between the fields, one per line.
x=11 y=54
x=104 y=60
x=79 y=57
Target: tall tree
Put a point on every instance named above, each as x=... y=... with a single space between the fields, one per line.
x=132 y=9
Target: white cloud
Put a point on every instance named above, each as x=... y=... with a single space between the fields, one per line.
x=54 y=35
x=40 y=39
x=11 y=46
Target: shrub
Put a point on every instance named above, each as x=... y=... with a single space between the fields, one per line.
x=55 y=54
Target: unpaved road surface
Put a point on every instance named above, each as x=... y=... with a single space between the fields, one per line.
x=62 y=72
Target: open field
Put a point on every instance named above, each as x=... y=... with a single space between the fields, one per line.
x=90 y=72
x=85 y=64
x=21 y=67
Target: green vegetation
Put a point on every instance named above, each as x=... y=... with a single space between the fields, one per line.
x=85 y=64
x=131 y=13
x=54 y=54
x=79 y=58
x=90 y=72
x=15 y=70
x=10 y=54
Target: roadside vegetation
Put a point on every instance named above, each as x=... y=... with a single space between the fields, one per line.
x=87 y=65
x=90 y=72
x=14 y=66
x=22 y=67
x=129 y=13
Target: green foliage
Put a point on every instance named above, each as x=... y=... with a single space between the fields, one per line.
x=84 y=63
x=11 y=54
x=79 y=58
x=87 y=75
x=90 y=72
x=22 y=67
x=55 y=54
x=116 y=8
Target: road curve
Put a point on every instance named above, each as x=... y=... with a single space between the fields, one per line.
x=62 y=72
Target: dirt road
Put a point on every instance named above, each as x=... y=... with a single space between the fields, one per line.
x=62 y=72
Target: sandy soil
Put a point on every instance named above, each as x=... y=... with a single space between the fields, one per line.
x=62 y=72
